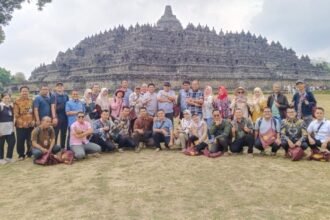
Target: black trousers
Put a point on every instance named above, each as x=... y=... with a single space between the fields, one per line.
x=23 y=136
x=318 y=144
x=285 y=145
x=105 y=145
x=11 y=140
x=146 y=138
x=199 y=147
x=220 y=144
x=259 y=146
x=61 y=127
x=170 y=116
x=126 y=141
x=238 y=144
x=159 y=138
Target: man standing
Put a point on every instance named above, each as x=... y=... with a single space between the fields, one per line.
x=221 y=131
x=150 y=100
x=242 y=132
x=72 y=107
x=319 y=131
x=43 y=139
x=278 y=103
x=128 y=91
x=162 y=130
x=59 y=100
x=182 y=97
x=95 y=92
x=142 y=131
x=166 y=98
x=81 y=130
x=24 y=122
x=42 y=106
x=304 y=102
x=195 y=99
x=267 y=132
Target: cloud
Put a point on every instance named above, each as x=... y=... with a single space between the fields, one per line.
x=298 y=24
x=34 y=37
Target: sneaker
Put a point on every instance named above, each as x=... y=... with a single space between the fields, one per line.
x=3 y=162
x=250 y=155
x=120 y=150
x=226 y=154
x=21 y=158
x=137 y=149
x=10 y=160
x=262 y=153
x=157 y=149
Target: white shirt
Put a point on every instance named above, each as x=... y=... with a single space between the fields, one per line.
x=324 y=132
x=207 y=107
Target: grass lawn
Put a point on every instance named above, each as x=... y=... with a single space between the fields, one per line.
x=168 y=185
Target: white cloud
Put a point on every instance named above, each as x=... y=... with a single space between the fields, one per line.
x=35 y=37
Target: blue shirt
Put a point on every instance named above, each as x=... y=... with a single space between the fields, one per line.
x=166 y=124
x=182 y=99
x=76 y=106
x=60 y=100
x=43 y=104
x=166 y=106
x=128 y=92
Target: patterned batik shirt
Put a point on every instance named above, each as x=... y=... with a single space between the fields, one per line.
x=294 y=130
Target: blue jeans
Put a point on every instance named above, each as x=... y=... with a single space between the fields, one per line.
x=209 y=122
x=37 y=153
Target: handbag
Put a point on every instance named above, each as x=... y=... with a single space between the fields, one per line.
x=207 y=153
x=191 y=151
x=320 y=156
x=132 y=114
x=296 y=153
x=47 y=158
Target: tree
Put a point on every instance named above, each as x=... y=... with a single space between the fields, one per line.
x=7 y=8
x=5 y=77
x=324 y=65
x=19 y=77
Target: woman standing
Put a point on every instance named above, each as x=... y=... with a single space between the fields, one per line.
x=257 y=104
x=222 y=103
x=240 y=102
x=207 y=107
x=117 y=104
x=6 y=129
x=89 y=105
x=102 y=100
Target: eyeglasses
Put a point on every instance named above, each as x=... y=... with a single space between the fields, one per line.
x=240 y=92
x=290 y=112
x=81 y=116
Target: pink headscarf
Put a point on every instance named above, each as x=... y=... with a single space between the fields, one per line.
x=225 y=92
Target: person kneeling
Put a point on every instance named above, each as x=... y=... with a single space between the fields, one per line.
x=242 y=129
x=43 y=139
x=221 y=131
x=293 y=134
x=142 y=130
x=79 y=143
x=181 y=133
x=198 y=133
x=319 y=132
x=101 y=132
x=267 y=132
x=162 y=130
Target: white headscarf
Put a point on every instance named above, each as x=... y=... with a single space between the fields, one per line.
x=103 y=100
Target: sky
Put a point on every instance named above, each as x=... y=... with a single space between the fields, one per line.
x=34 y=37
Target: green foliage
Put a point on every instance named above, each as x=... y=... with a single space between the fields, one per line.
x=7 y=7
x=18 y=78
x=324 y=65
x=5 y=77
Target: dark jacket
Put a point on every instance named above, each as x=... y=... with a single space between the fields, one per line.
x=282 y=100
x=306 y=110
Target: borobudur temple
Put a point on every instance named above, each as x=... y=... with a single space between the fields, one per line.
x=167 y=51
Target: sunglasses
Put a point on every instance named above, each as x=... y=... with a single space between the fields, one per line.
x=81 y=116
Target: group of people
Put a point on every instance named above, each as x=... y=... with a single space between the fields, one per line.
x=142 y=118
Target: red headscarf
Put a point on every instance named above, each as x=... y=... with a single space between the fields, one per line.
x=225 y=92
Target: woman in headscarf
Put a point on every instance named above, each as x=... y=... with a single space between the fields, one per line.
x=198 y=133
x=222 y=103
x=240 y=102
x=182 y=131
x=257 y=104
x=89 y=105
x=117 y=104
x=207 y=107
